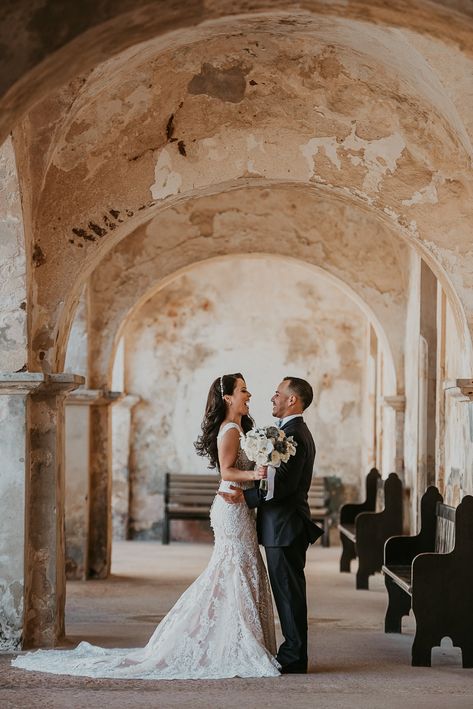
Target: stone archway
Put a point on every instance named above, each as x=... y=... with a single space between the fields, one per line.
x=321 y=100
x=363 y=141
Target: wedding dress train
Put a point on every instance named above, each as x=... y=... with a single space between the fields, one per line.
x=221 y=626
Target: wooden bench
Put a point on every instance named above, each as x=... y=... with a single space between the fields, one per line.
x=348 y=514
x=318 y=498
x=364 y=532
x=432 y=573
x=187 y=497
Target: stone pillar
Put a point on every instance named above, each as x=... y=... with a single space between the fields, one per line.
x=121 y=429
x=398 y=404
x=77 y=480
x=32 y=585
x=14 y=391
x=100 y=486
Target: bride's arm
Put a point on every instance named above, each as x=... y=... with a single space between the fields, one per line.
x=228 y=447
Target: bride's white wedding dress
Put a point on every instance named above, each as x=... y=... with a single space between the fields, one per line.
x=221 y=626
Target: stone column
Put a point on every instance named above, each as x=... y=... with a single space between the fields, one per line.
x=121 y=428
x=398 y=403
x=100 y=486
x=77 y=480
x=14 y=391
x=32 y=573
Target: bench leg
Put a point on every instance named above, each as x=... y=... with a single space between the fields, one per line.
x=399 y=604
x=467 y=656
x=165 y=539
x=421 y=653
x=348 y=553
x=362 y=578
x=326 y=536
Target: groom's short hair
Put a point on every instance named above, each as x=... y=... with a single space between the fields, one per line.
x=302 y=389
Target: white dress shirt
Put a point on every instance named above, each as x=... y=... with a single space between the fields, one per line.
x=271 y=468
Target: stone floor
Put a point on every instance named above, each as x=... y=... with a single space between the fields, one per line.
x=352 y=662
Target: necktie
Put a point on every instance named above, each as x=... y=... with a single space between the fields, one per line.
x=280 y=423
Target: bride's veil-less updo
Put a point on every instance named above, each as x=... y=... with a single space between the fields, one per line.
x=215 y=412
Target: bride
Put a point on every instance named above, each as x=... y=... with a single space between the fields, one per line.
x=222 y=625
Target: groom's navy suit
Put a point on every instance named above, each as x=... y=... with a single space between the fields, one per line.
x=285 y=529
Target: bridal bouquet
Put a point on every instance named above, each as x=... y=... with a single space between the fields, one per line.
x=268 y=446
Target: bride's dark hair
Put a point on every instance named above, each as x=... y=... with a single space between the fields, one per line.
x=215 y=412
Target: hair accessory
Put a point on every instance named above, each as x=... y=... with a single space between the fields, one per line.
x=221 y=386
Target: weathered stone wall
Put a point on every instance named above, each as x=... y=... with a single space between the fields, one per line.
x=77 y=345
x=346 y=108
x=12 y=538
x=265 y=318
x=454 y=425
x=13 y=289
x=458 y=440
x=147 y=141
x=13 y=407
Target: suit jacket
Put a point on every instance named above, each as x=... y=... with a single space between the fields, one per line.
x=287 y=514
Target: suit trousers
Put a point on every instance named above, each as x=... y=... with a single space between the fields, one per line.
x=286 y=574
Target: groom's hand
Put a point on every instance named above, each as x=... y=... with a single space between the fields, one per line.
x=234 y=498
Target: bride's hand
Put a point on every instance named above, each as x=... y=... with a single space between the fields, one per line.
x=260 y=472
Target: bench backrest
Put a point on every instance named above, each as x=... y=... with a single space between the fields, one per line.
x=389 y=494
x=190 y=489
x=371 y=486
x=445 y=529
x=317 y=495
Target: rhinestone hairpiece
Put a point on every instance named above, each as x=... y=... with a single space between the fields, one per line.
x=221 y=386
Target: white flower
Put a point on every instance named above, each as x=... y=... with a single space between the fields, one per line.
x=259 y=446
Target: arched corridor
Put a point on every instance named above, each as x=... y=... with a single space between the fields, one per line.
x=193 y=188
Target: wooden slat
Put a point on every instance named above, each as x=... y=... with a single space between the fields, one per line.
x=320 y=511
x=316 y=501
x=185 y=477
x=198 y=489
x=348 y=530
x=401 y=575
x=445 y=530
x=191 y=499
x=188 y=509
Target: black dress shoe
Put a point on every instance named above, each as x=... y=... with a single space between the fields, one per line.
x=294 y=668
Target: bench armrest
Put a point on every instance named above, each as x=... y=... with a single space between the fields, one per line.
x=350 y=511
x=401 y=550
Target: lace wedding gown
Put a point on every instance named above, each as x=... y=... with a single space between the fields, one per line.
x=221 y=626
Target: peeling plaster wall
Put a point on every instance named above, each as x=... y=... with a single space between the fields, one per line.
x=12 y=524
x=76 y=488
x=348 y=244
x=44 y=46
x=458 y=441
x=13 y=343
x=76 y=354
x=454 y=447
x=264 y=318
x=411 y=344
x=347 y=107
x=13 y=415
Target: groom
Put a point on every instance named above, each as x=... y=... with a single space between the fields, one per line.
x=284 y=526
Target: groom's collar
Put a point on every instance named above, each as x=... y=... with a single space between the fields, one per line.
x=286 y=419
